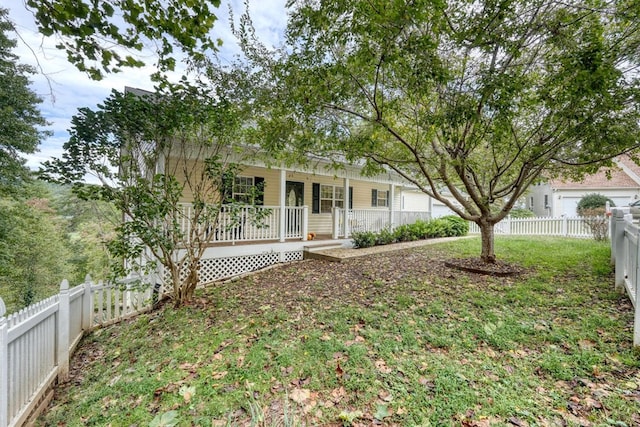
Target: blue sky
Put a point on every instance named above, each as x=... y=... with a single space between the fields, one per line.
x=64 y=89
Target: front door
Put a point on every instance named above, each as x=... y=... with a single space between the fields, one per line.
x=294 y=193
x=294 y=196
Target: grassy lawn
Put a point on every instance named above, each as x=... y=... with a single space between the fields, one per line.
x=390 y=339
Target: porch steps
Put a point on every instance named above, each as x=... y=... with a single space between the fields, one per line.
x=320 y=251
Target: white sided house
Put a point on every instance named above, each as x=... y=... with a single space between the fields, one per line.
x=302 y=209
x=560 y=197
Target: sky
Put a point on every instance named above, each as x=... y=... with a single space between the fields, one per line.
x=64 y=89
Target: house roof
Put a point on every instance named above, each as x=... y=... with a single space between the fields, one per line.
x=625 y=175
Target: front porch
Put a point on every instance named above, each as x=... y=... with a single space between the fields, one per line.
x=238 y=244
x=260 y=224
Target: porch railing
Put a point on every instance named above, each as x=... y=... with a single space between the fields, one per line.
x=373 y=220
x=248 y=223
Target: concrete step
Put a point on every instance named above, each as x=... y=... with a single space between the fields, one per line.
x=317 y=251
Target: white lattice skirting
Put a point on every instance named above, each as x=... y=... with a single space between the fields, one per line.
x=213 y=269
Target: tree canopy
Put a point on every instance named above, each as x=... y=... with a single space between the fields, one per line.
x=20 y=119
x=99 y=36
x=470 y=101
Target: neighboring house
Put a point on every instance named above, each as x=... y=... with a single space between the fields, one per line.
x=560 y=197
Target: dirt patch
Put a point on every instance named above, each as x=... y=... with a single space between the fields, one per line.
x=478 y=266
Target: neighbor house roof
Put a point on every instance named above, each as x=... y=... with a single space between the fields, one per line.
x=625 y=175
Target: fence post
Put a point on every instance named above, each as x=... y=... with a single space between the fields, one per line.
x=4 y=366
x=565 y=225
x=63 y=331
x=636 y=314
x=612 y=235
x=305 y=222
x=618 y=240
x=86 y=304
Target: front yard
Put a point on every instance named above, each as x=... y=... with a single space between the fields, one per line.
x=390 y=339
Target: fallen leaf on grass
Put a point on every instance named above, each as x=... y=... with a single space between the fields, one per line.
x=382 y=412
x=385 y=396
x=592 y=403
x=337 y=394
x=167 y=419
x=300 y=395
x=586 y=344
x=219 y=375
x=381 y=366
x=350 y=416
x=187 y=392
x=517 y=422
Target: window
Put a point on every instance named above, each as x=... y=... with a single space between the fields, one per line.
x=546 y=201
x=248 y=189
x=331 y=196
x=531 y=202
x=379 y=198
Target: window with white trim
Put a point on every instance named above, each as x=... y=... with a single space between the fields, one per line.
x=379 y=198
x=243 y=191
x=331 y=196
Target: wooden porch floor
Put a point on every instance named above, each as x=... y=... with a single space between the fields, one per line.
x=319 y=237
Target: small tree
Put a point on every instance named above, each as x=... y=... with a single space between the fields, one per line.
x=592 y=208
x=149 y=153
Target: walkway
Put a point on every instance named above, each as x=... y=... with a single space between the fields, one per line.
x=341 y=254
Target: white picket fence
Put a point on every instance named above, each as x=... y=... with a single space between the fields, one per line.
x=625 y=255
x=36 y=343
x=540 y=226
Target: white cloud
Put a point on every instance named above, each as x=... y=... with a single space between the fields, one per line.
x=64 y=89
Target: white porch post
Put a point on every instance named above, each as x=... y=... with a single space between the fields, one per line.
x=305 y=222
x=391 y=198
x=283 y=213
x=347 y=228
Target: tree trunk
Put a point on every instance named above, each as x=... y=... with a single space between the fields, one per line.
x=488 y=251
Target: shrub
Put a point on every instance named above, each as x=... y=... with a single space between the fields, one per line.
x=455 y=226
x=521 y=213
x=597 y=223
x=406 y=233
x=446 y=226
x=593 y=204
x=363 y=239
x=436 y=228
x=385 y=237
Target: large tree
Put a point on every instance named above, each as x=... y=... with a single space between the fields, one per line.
x=466 y=99
x=20 y=120
x=151 y=152
x=103 y=36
